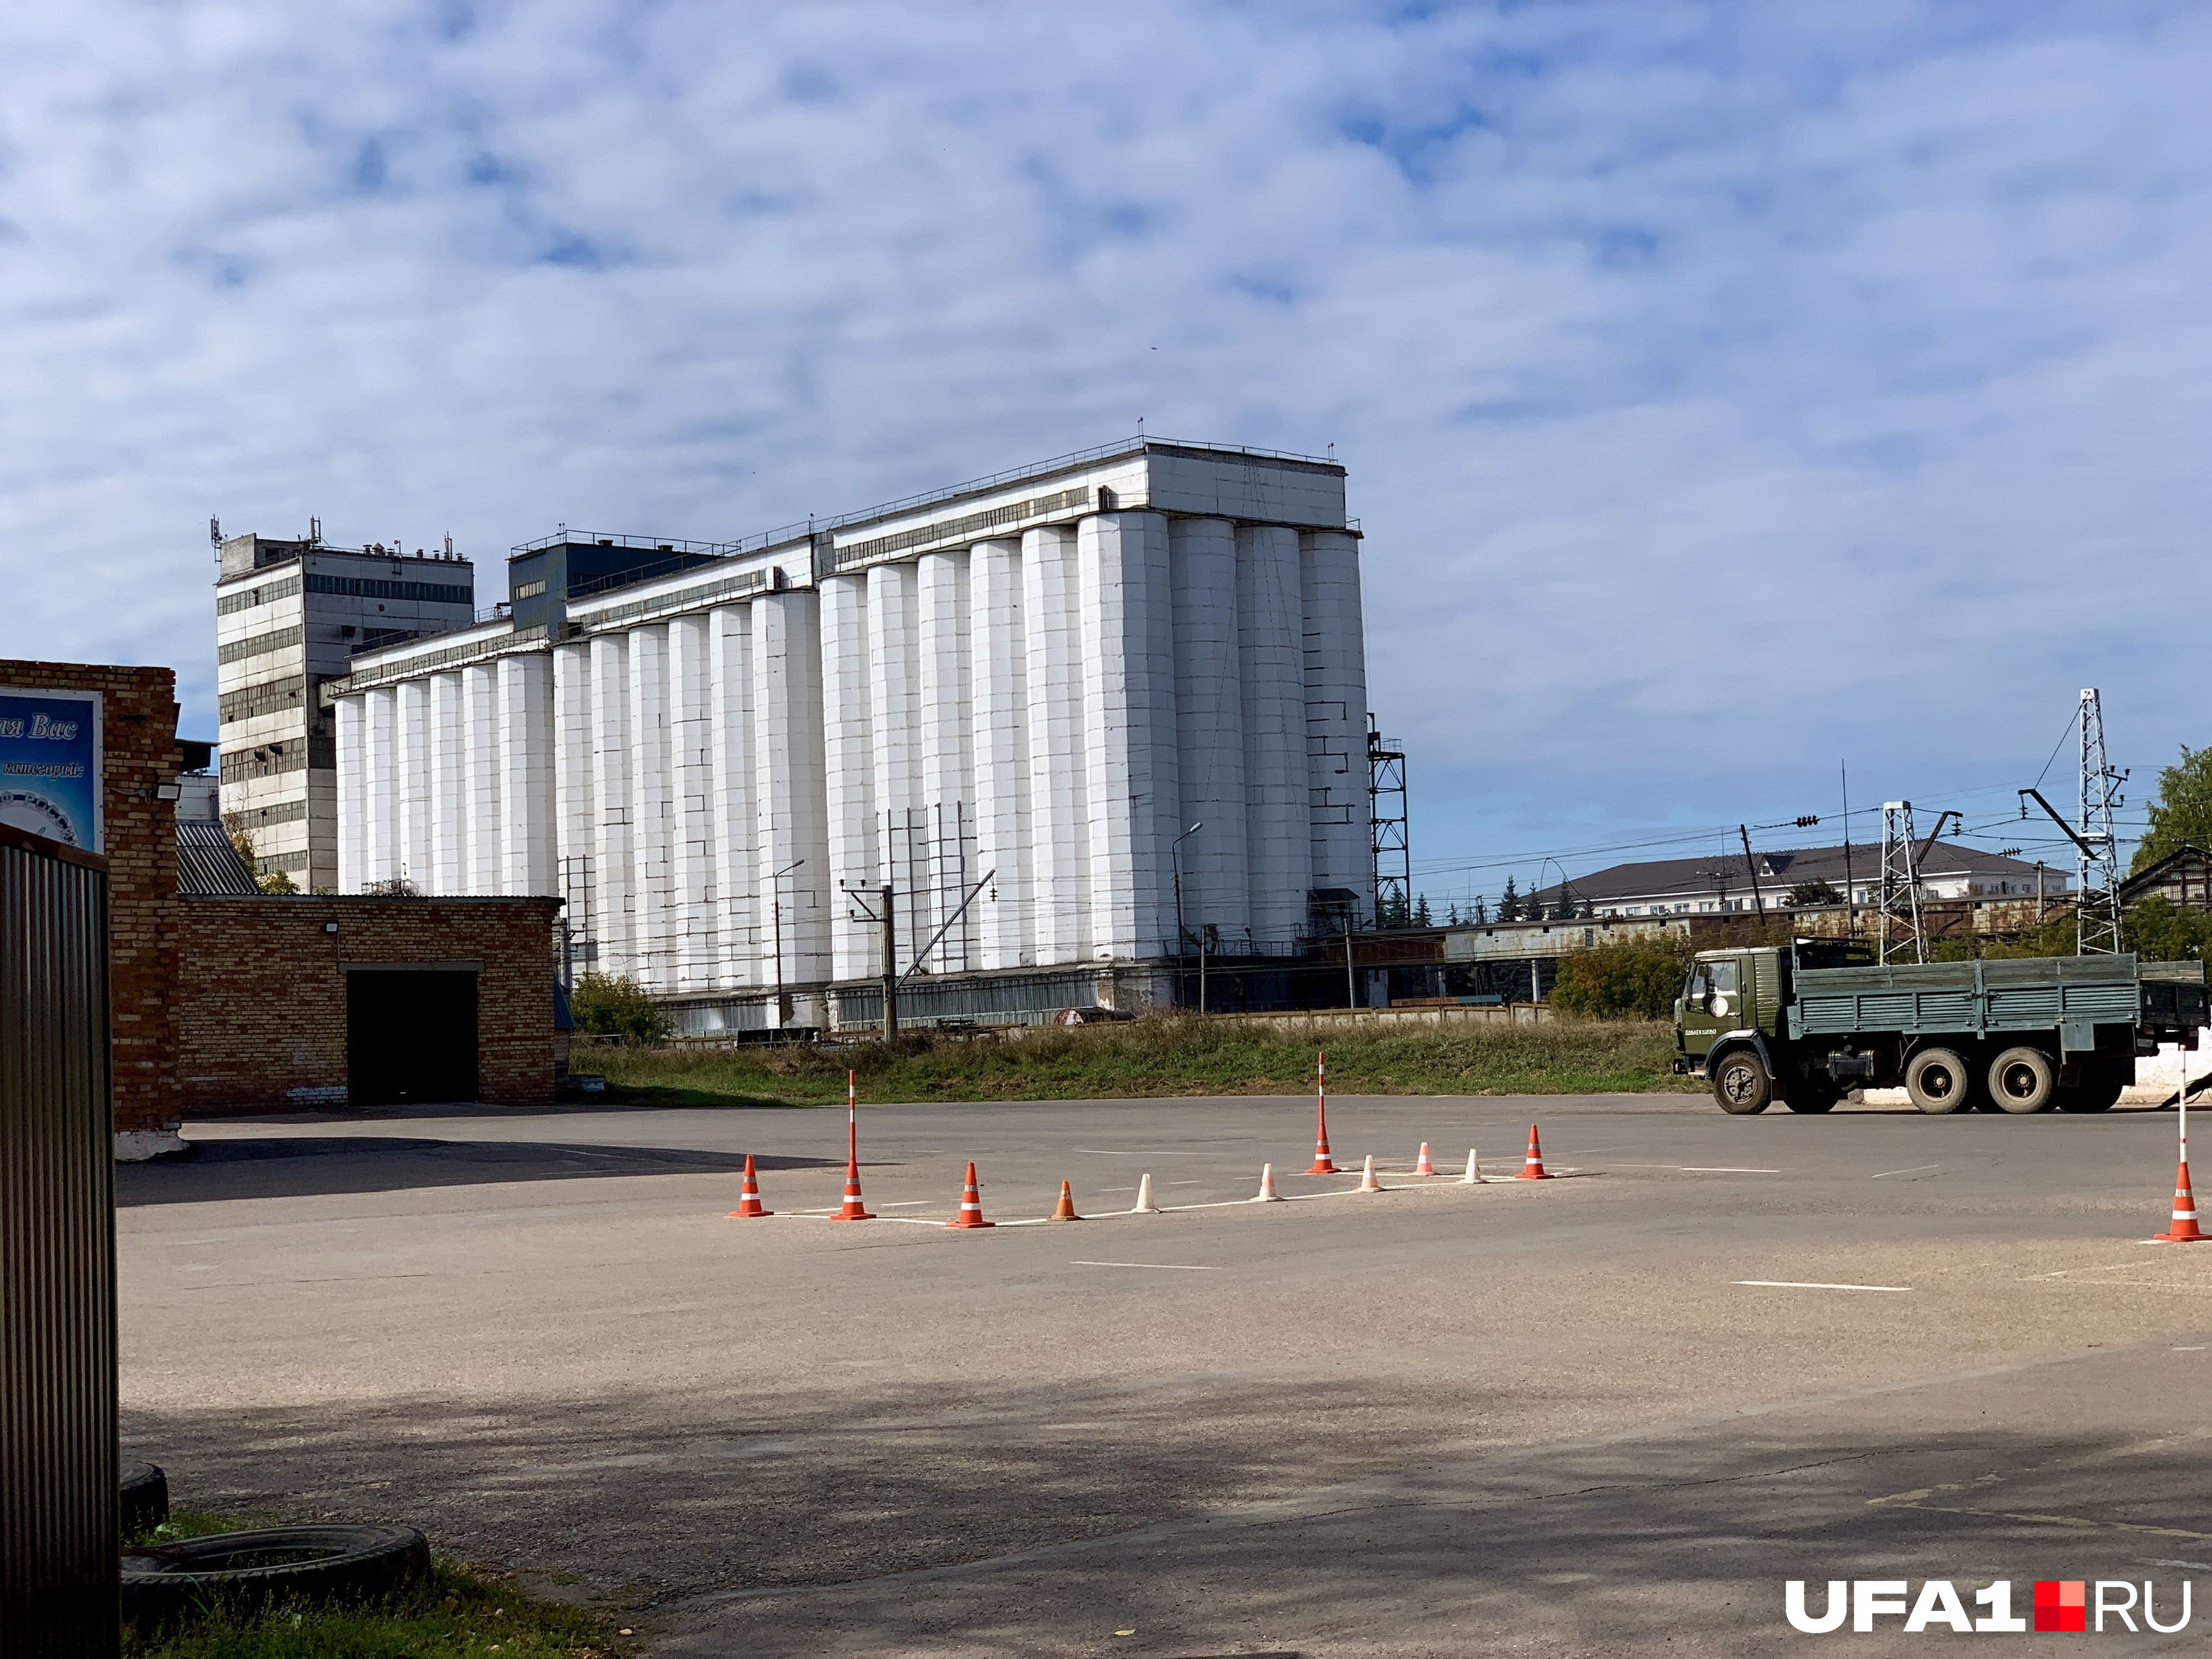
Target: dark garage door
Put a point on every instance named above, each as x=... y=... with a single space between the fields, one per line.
x=411 y=1036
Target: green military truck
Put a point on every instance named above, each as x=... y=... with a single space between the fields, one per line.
x=1804 y=1022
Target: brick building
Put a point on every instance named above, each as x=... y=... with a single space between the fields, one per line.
x=289 y=1002
x=141 y=760
x=246 y=1000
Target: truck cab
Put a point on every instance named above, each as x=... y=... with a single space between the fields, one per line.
x=1737 y=999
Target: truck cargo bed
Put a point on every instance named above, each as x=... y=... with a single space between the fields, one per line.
x=2033 y=994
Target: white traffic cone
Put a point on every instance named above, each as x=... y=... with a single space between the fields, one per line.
x=1144 y=1205
x=1473 y=1175
x=1268 y=1194
x=1368 y=1181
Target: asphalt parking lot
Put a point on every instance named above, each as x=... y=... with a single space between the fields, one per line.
x=1605 y=1414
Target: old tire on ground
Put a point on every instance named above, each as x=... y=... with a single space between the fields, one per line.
x=2023 y=1080
x=145 y=1498
x=249 y=1569
x=1939 y=1081
x=1741 y=1085
x=2100 y=1085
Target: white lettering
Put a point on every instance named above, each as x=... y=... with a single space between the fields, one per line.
x=1793 y=1604
x=1872 y=1596
x=1997 y=1598
x=2151 y=1618
x=1939 y=1602
x=2119 y=1612
x=11 y=728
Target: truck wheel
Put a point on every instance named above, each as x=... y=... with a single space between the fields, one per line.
x=1742 y=1086
x=1939 y=1081
x=2023 y=1080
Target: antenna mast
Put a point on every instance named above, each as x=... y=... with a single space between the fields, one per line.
x=2096 y=913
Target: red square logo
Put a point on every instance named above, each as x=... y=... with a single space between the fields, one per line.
x=2062 y=1604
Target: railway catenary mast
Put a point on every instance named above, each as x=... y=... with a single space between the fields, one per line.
x=1047 y=674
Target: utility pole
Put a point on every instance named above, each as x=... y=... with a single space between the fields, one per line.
x=1851 y=888
x=1183 y=933
x=890 y=965
x=1758 y=895
x=2097 y=931
x=1351 y=986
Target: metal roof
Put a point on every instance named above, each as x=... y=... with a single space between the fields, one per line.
x=1780 y=870
x=208 y=865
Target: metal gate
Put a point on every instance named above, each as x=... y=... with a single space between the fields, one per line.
x=59 y=1549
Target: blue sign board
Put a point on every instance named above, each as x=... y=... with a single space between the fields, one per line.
x=50 y=780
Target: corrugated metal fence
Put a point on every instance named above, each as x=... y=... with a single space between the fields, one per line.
x=59 y=1549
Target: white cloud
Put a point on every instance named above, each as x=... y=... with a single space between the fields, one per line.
x=1724 y=388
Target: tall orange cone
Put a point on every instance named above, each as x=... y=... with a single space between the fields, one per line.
x=1321 y=1164
x=2185 y=1230
x=854 y=1210
x=1532 y=1169
x=749 y=1203
x=971 y=1205
x=1065 y=1210
x=1421 y=1164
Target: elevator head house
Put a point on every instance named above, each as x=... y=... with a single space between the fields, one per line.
x=1007 y=703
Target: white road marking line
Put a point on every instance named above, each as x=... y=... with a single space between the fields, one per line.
x=1807 y=1285
x=2194 y=1566
x=1168 y=1266
x=2198 y=1349
x=907 y=1204
x=1916 y=1169
x=1694 y=1168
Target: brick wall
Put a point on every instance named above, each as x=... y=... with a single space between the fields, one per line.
x=138 y=730
x=262 y=1001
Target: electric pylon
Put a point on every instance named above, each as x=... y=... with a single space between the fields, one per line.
x=2097 y=910
x=1900 y=884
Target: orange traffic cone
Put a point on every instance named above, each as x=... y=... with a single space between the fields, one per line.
x=1321 y=1164
x=971 y=1206
x=2184 y=1231
x=1532 y=1169
x=1421 y=1164
x=749 y=1202
x=1268 y=1194
x=1369 y=1180
x=854 y=1210
x=1065 y=1210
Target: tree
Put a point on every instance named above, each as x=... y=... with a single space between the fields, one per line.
x=1509 y=902
x=1421 y=912
x=1814 y=892
x=241 y=840
x=1631 y=978
x=2157 y=932
x=2182 y=810
x=609 y=1004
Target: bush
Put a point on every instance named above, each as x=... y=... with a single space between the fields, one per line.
x=608 y=1005
x=1632 y=979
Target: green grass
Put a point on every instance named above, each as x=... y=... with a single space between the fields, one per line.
x=1165 y=1054
x=456 y=1612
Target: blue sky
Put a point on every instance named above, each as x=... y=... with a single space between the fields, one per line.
x=1726 y=390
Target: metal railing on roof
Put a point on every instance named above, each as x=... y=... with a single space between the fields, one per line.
x=631 y=543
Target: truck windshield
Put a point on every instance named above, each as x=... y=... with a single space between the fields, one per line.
x=1707 y=978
